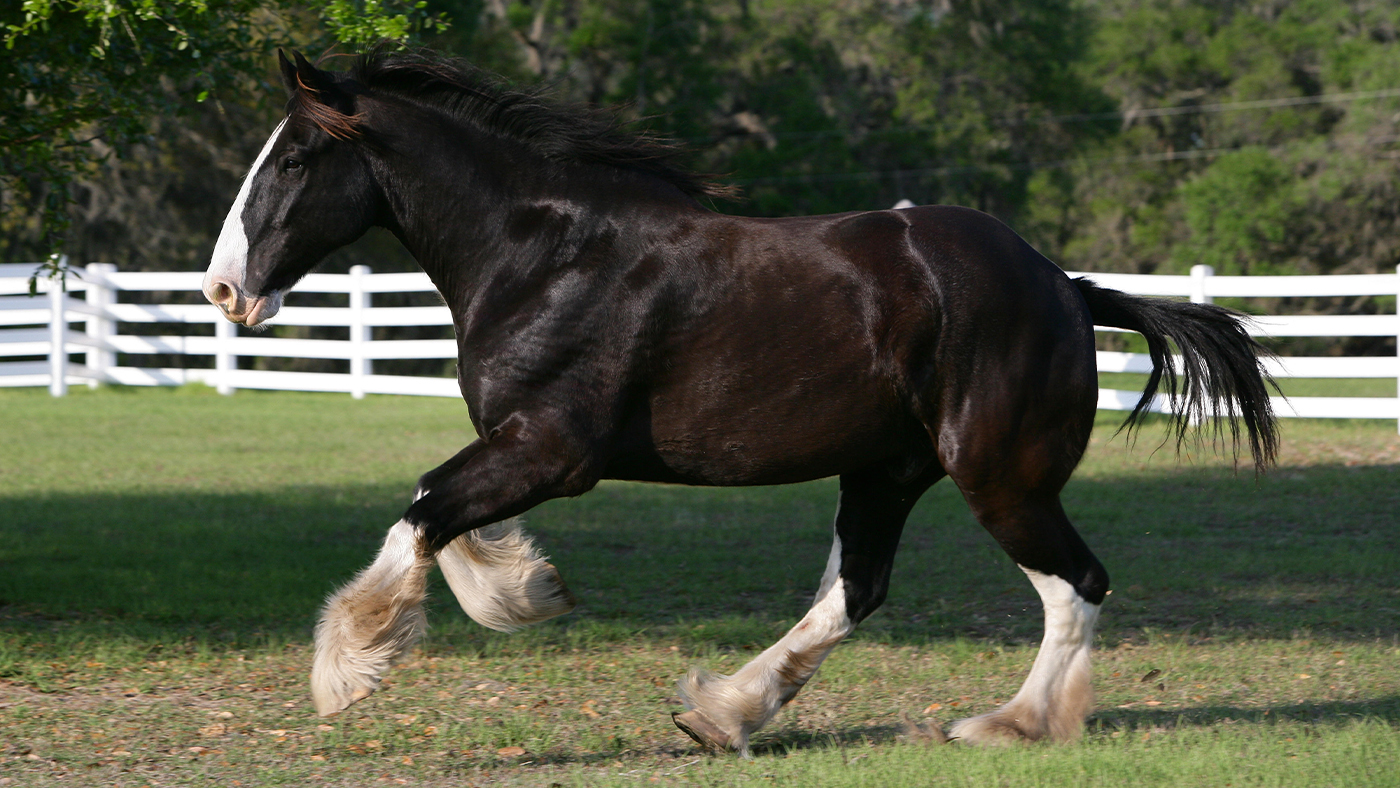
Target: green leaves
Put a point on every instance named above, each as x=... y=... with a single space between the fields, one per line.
x=82 y=80
x=1040 y=111
x=1238 y=211
x=365 y=23
x=1236 y=175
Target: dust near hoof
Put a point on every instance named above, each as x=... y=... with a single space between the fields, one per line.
x=924 y=734
x=699 y=727
x=990 y=730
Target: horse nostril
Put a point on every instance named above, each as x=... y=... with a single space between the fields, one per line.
x=221 y=293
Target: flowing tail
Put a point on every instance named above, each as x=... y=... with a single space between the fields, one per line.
x=1221 y=373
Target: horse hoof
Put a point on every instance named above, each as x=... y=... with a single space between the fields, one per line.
x=330 y=700
x=697 y=726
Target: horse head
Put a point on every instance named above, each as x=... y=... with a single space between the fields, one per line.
x=310 y=191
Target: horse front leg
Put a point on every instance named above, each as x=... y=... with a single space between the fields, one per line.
x=370 y=621
x=725 y=710
x=497 y=575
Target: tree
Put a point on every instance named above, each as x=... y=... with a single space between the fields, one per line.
x=827 y=105
x=81 y=80
x=1258 y=138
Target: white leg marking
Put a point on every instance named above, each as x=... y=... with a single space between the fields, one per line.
x=740 y=704
x=501 y=580
x=369 y=622
x=1058 y=693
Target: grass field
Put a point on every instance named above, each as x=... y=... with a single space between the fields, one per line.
x=163 y=554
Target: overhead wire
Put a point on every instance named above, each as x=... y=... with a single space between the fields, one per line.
x=1127 y=114
x=1164 y=156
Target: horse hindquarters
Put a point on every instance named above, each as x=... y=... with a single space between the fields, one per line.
x=1010 y=427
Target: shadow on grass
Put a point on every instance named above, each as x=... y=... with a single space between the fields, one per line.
x=791 y=738
x=1385 y=709
x=1195 y=550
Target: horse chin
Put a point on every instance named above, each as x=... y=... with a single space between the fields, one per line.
x=264 y=308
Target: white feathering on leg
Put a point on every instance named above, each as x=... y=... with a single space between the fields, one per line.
x=369 y=622
x=736 y=706
x=1058 y=694
x=501 y=580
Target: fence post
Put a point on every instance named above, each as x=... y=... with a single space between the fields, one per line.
x=58 y=335
x=225 y=362
x=360 y=332
x=1199 y=275
x=100 y=295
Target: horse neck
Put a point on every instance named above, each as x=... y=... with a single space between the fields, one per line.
x=467 y=205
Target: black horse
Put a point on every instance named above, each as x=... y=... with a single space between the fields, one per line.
x=612 y=327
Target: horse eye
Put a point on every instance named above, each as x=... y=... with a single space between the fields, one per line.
x=291 y=165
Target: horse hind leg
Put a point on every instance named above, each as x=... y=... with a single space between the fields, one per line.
x=725 y=710
x=1058 y=693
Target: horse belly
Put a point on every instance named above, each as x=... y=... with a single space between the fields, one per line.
x=774 y=427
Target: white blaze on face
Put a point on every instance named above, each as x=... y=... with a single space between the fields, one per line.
x=230 y=260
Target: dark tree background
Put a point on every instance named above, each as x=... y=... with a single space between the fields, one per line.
x=1127 y=135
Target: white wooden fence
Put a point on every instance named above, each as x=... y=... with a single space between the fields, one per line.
x=43 y=328
x=49 y=332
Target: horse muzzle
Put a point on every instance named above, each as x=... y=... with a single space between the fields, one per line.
x=238 y=306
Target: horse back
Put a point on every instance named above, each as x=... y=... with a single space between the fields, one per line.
x=825 y=344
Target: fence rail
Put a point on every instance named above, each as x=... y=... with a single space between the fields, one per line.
x=43 y=329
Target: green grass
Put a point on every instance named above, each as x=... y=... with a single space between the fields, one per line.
x=163 y=554
x=1291 y=387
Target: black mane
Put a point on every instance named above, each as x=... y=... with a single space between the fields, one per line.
x=555 y=131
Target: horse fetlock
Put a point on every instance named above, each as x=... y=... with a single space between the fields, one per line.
x=728 y=709
x=353 y=653
x=698 y=726
x=369 y=623
x=1018 y=722
x=356 y=648
x=548 y=595
x=990 y=730
x=337 y=682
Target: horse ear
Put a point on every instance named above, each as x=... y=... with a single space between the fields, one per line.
x=289 y=73
x=298 y=76
x=308 y=77
x=315 y=96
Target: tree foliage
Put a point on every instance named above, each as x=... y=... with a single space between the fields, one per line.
x=1280 y=156
x=82 y=81
x=1134 y=135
